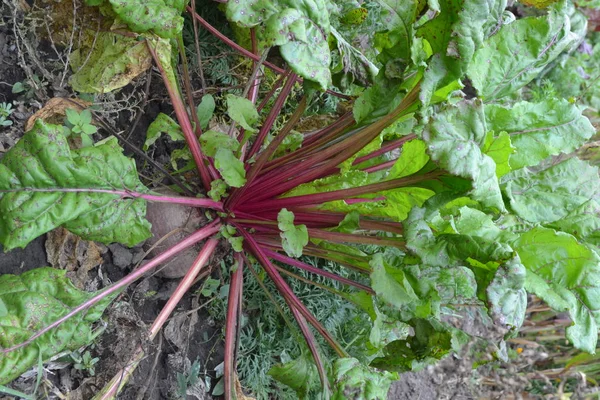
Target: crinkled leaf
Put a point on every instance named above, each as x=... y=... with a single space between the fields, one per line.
x=299 y=374
x=429 y=344
x=506 y=295
x=582 y=222
x=162 y=17
x=299 y=27
x=242 y=111
x=293 y=237
x=456 y=32
x=564 y=273
x=211 y=141
x=386 y=330
x=550 y=195
x=163 y=124
x=539 y=130
x=455 y=137
x=32 y=301
x=391 y=284
x=452 y=283
x=377 y=100
x=517 y=54
x=115 y=60
x=231 y=168
x=43 y=185
x=218 y=188
x=354 y=66
x=205 y=110
x=394 y=43
x=352 y=379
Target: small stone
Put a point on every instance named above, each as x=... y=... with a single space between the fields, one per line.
x=122 y=256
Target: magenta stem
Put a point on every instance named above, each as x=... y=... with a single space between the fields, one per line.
x=199 y=235
x=231 y=322
x=299 y=264
x=387 y=147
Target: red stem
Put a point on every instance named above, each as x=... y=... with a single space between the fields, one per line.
x=342 y=194
x=339 y=237
x=299 y=264
x=187 y=201
x=313 y=346
x=184 y=123
x=196 y=237
x=247 y=53
x=394 y=144
x=287 y=293
x=231 y=323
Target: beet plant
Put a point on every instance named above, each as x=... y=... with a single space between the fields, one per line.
x=463 y=199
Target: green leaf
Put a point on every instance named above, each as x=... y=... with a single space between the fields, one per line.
x=386 y=330
x=231 y=168
x=162 y=17
x=350 y=223
x=113 y=62
x=299 y=374
x=242 y=111
x=205 y=110
x=455 y=137
x=34 y=300
x=517 y=54
x=352 y=379
x=211 y=141
x=457 y=31
x=582 y=222
x=429 y=344
x=500 y=149
x=72 y=116
x=299 y=27
x=506 y=295
x=391 y=284
x=377 y=100
x=163 y=124
x=564 y=273
x=294 y=237
x=43 y=185
x=539 y=130
x=210 y=286
x=218 y=189
x=354 y=67
x=412 y=159
x=550 y=195
x=394 y=43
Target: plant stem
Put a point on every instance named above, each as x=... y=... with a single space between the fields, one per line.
x=338 y=237
x=386 y=147
x=186 y=201
x=184 y=122
x=299 y=264
x=248 y=54
x=232 y=321
x=342 y=194
x=194 y=238
x=287 y=293
x=112 y=388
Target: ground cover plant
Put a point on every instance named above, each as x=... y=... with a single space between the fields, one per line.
x=434 y=199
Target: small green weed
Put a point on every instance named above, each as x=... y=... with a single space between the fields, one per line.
x=80 y=125
x=5 y=111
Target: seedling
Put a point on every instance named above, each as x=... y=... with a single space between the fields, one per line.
x=85 y=362
x=5 y=111
x=80 y=125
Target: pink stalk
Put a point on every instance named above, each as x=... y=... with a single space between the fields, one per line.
x=184 y=122
x=314 y=350
x=271 y=92
x=231 y=323
x=248 y=54
x=112 y=388
x=342 y=194
x=386 y=147
x=252 y=93
x=380 y=167
x=199 y=235
x=299 y=264
x=187 y=201
x=287 y=292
